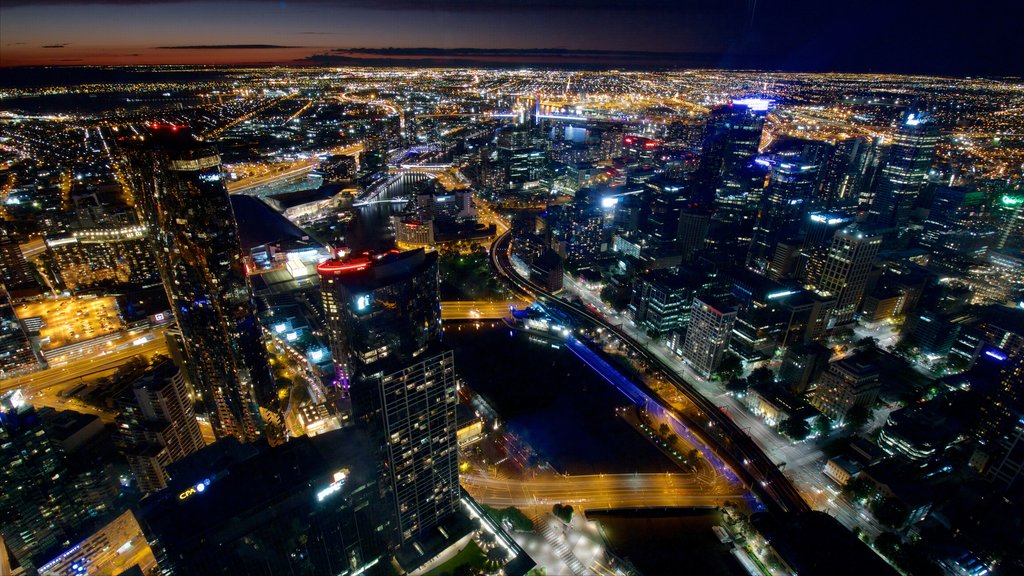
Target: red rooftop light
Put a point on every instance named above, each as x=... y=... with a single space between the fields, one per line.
x=343 y=267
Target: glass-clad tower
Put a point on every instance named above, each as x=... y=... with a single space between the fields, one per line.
x=175 y=181
x=384 y=318
x=906 y=170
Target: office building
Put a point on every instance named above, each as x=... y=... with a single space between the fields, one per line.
x=177 y=185
x=784 y=203
x=1008 y=470
x=731 y=139
x=16 y=355
x=309 y=506
x=384 y=321
x=852 y=381
x=694 y=221
x=661 y=302
x=547 y=271
x=819 y=230
x=802 y=364
x=114 y=548
x=37 y=506
x=707 y=337
x=844 y=274
x=905 y=172
x=157 y=425
x=521 y=162
x=15 y=272
x=1011 y=217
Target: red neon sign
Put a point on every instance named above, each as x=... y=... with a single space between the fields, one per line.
x=339 y=267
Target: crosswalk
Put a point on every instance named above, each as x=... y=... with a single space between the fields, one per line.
x=553 y=535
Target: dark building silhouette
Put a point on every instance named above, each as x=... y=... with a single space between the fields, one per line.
x=310 y=506
x=177 y=186
x=384 y=321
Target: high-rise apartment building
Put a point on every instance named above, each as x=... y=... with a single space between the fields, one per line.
x=384 y=319
x=15 y=272
x=176 y=182
x=708 y=334
x=37 y=507
x=16 y=354
x=157 y=425
x=852 y=381
x=845 y=272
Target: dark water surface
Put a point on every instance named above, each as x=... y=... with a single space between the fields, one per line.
x=551 y=399
x=677 y=542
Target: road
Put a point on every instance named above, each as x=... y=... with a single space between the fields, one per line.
x=596 y=491
x=477 y=309
x=803 y=462
x=76 y=370
x=293 y=170
x=742 y=454
x=297 y=169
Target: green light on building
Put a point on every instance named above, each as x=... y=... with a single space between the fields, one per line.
x=1012 y=200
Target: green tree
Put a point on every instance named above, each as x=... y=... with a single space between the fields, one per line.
x=795 y=428
x=761 y=375
x=868 y=342
x=822 y=425
x=737 y=385
x=729 y=367
x=889 y=544
x=858 y=417
x=857 y=489
x=563 y=512
x=891 y=512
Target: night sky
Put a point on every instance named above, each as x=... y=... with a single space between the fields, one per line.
x=853 y=35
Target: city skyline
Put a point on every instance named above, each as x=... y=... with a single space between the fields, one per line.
x=745 y=34
x=469 y=320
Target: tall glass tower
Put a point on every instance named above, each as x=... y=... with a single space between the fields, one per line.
x=906 y=170
x=175 y=181
x=731 y=140
x=384 y=318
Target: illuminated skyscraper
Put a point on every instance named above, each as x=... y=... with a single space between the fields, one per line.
x=820 y=229
x=845 y=272
x=15 y=273
x=157 y=425
x=708 y=335
x=15 y=349
x=384 y=318
x=790 y=193
x=906 y=170
x=176 y=183
x=37 y=509
x=731 y=140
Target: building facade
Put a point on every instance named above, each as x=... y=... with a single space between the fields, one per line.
x=845 y=272
x=157 y=425
x=708 y=335
x=384 y=321
x=179 y=192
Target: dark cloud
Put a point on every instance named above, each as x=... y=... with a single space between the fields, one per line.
x=54 y=45
x=226 y=47
x=689 y=6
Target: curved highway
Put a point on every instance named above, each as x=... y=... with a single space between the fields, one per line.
x=744 y=455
